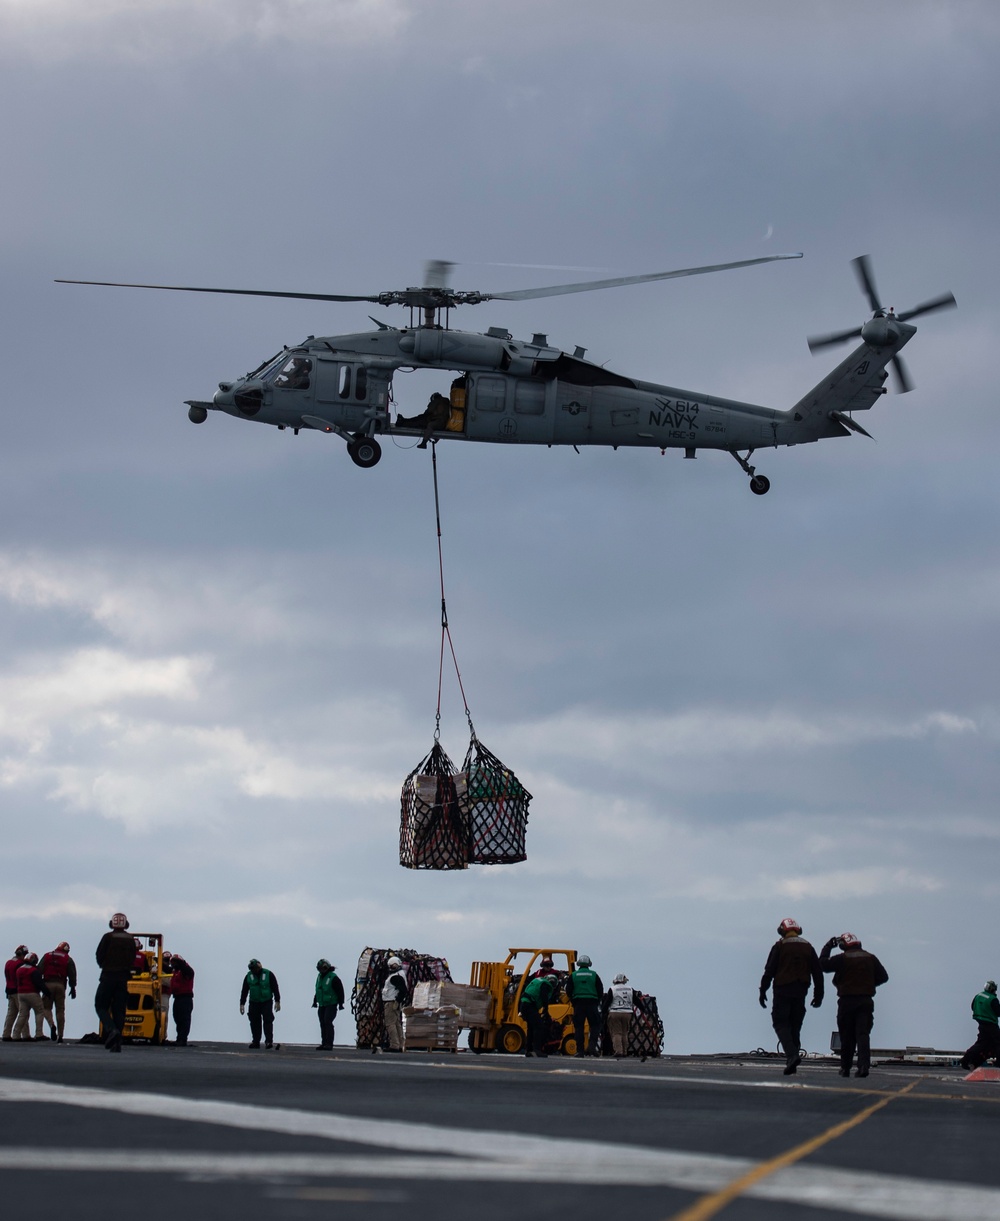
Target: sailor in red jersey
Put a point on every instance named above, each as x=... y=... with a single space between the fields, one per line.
x=29 y=1000
x=182 y=990
x=10 y=987
x=59 y=973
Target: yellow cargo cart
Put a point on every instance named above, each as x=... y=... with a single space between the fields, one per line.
x=505 y=982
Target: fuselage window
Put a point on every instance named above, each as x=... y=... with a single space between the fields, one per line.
x=361 y=384
x=529 y=397
x=294 y=374
x=491 y=393
x=345 y=382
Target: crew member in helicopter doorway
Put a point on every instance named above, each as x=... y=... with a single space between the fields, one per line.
x=791 y=964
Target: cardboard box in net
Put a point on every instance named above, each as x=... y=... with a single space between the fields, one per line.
x=473 y=1003
x=432 y=1029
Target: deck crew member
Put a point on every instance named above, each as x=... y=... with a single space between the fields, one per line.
x=986 y=1011
x=856 y=975
x=182 y=993
x=59 y=973
x=116 y=958
x=536 y=995
x=790 y=966
x=10 y=988
x=620 y=1004
x=30 y=990
x=261 y=986
x=328 y=1000
x=393 y=998
x=585 y=991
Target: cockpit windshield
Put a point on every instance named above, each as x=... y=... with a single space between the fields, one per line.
x=294 y=374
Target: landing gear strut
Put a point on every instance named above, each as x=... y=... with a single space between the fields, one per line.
x=759 y=484
x=364 y=451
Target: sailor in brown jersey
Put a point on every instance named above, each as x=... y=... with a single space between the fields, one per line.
x=791 y=965
x=856 y=975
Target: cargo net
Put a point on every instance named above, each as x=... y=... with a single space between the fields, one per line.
x=433 y=825
x=451 y=819
x=498 y=809
x=645 y=1034
x=372 y=972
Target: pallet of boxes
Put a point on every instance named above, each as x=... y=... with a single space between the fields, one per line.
x=439 y=1012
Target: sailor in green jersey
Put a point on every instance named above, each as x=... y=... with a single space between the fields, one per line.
x=986 y=1011
x=328 y=1000
x=261 y=987
x=585 y=990
x=534 y=1009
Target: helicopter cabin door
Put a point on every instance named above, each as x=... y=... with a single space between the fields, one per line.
x=505 y=408
x=345 y=390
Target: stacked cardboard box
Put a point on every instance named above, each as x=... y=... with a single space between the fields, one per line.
x=473 y=1003
x=432 y=1029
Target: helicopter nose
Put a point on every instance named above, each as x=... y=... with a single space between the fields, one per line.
x=223 y=397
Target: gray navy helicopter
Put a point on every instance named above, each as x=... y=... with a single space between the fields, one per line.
x=527 y=392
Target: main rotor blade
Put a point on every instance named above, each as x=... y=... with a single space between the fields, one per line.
x=816 y=342
x=903 y=383
x=863 y=270
x=945 y=301
x=558 y=290
x=239 y=292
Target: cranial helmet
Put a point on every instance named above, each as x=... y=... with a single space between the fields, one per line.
x=118 y=920
x=32 y=960
x=583 y=960
x=254 y=965
x=323 y=965
x=849 y=941
x=789 y=928
x=21 y=951
x=63 y=946
x=395 y=962
x=990 y=985
x=621 y=979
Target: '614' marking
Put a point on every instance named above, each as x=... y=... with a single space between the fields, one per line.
x=675 y=413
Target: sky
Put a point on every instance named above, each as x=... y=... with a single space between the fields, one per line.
x=219 y=644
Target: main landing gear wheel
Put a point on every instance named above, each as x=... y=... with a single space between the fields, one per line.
x=364 y=451
x=759 y=485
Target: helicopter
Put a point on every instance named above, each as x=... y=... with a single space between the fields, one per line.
x=529 y=392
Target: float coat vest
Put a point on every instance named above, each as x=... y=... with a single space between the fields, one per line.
x=585 y=985
x=259 y=987
x=621 y=998
x=538 y=991
x=984 y=1008
x=329 y=989
x=55 y=965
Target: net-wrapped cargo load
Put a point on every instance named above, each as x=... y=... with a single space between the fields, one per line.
x=473 y=1004
x=433 y=827
x=645 y=1034
x=497 y=809
x=372 y=972
x=432 y=1029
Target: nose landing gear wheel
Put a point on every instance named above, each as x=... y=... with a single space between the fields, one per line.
x=364 y=451
x=759 y=485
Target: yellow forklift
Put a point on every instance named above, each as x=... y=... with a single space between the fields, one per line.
x=148 y=998
x=505 y=982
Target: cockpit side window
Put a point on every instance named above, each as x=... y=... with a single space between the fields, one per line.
x=344 y=382
x=294 y=374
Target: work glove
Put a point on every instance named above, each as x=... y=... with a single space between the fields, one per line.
x=763 y=1000
x=277 y=1006
x=72 y=994
x=831 y=943
x=816 y=1002
x=315 y=1003
x=243 y=1010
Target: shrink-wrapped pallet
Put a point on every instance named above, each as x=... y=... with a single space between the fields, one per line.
x=472 y=1003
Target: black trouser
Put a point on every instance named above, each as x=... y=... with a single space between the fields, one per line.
x=855 y=1017
x=587 y=1011
x=986 y=1046
x=262 y=1014
x=327 y=1016
x=110 y=1001
x=787 y=1013
x=536 y=1023
x=183 y=1006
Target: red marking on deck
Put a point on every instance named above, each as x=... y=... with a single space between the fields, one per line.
x=984 y=1074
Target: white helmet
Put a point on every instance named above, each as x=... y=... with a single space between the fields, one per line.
x=395 y=962
x=583 y=960
x=621 y=979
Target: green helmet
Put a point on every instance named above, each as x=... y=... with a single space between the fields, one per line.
x=990 y=985
x=323 y=966
x=254 y=965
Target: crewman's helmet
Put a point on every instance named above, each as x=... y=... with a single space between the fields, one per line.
x=63 y=947
x=848 y=941
x=118 y=921
x=584 y=961
x=254 y=966
x=323 y=966
x=21 y=951
x=32 y=960
x=621 y=979
x=395 y=962
x=990 y=985
x=789 y=928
